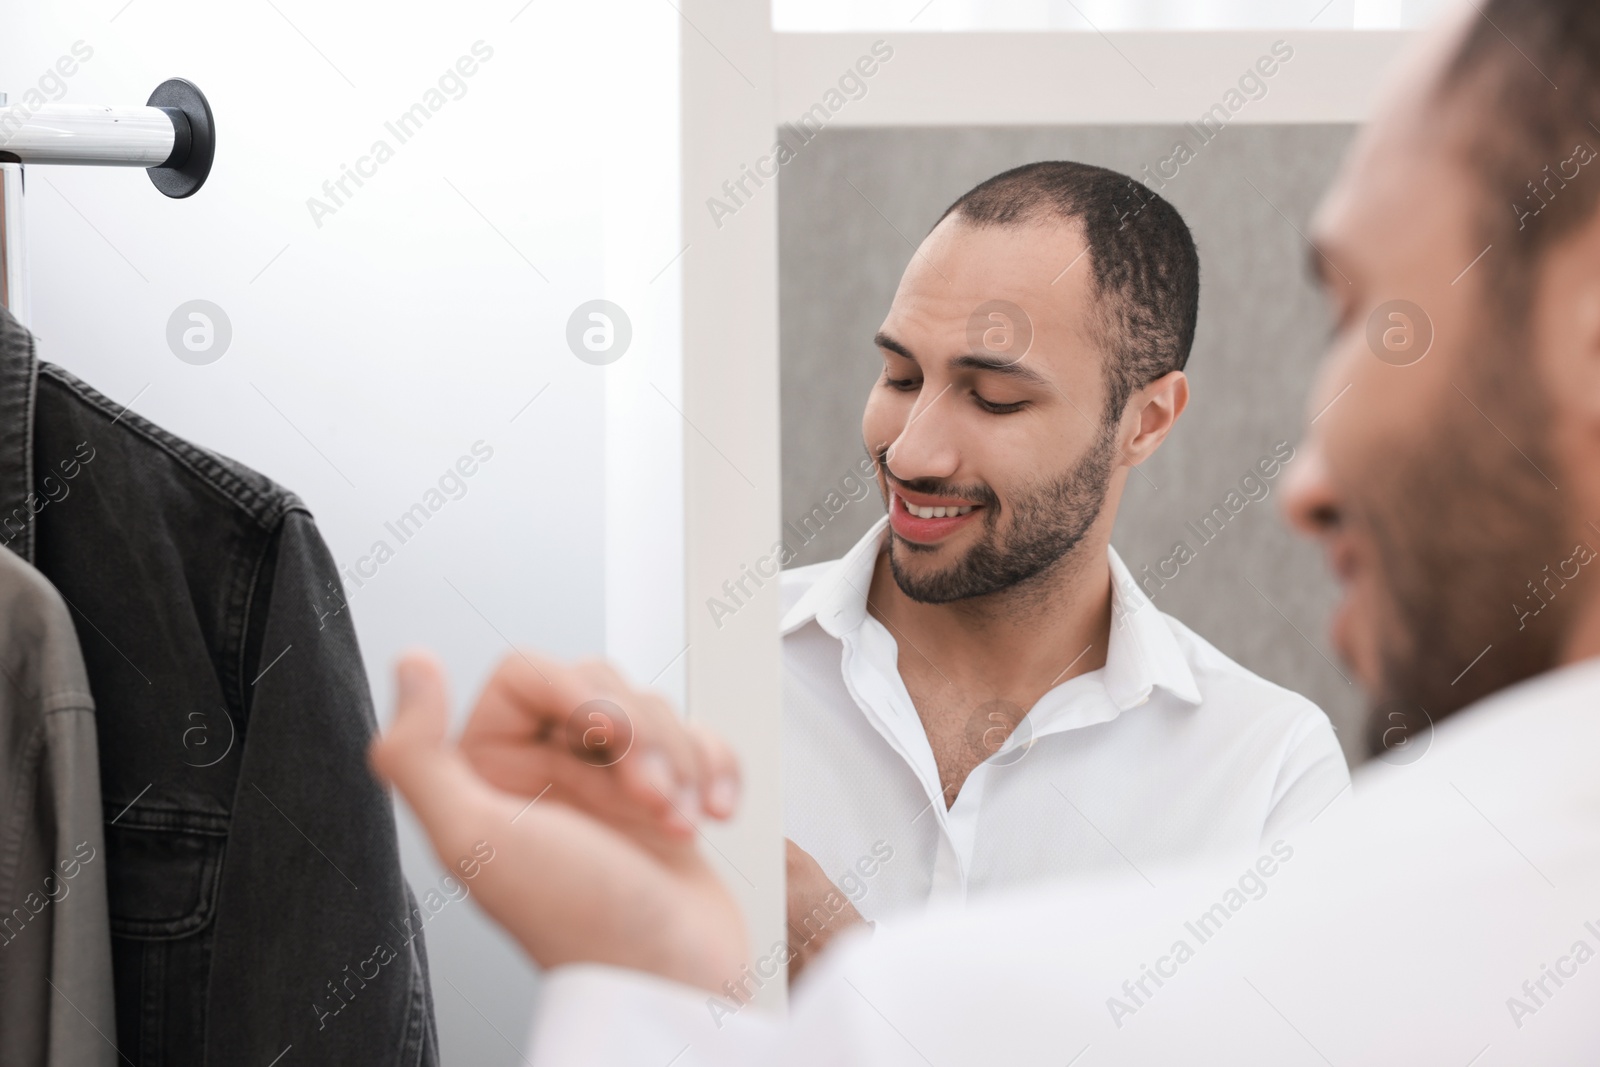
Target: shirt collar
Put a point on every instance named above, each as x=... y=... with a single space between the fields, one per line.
x=837 y=600
x=1143 y=652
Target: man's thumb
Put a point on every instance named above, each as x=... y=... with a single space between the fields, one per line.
x=447 y=796
x=414 y=745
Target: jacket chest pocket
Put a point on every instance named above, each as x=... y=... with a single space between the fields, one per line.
x=163 y=871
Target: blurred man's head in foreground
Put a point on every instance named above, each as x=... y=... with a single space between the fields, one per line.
x=1452 y=467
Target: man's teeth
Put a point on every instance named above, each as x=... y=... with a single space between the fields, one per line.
x=934 y=513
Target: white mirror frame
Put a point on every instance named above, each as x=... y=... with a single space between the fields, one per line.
x=730 y=293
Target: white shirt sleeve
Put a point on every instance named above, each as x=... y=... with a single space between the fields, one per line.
x=1312 y=776
x=595 y=1015
x=592 y=1015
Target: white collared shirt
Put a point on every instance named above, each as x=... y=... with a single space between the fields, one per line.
x=1169 y=751
x=1448 y=912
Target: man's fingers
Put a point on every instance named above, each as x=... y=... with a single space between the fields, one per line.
x=528 y=698
x=415 y=736
x=663 y=770
x=669 y=762
x=584 y=729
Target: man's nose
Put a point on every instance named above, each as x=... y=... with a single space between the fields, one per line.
x=925 y=448
x=1309 y=502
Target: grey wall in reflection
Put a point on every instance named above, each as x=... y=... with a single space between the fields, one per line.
x=854 y=203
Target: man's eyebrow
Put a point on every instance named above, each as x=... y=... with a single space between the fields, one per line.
x=1000 y=365
x=993 y=364
x=883 y=340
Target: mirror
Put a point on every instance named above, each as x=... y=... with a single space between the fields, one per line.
x=913 y=776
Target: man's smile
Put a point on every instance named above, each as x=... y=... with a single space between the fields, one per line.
x=924 y=519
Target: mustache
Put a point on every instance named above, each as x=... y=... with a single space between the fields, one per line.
x=978 y=494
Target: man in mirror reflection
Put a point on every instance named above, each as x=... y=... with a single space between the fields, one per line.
x=980 y=693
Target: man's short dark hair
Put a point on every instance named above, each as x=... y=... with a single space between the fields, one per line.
x=1144 y=264
x=1526 y=80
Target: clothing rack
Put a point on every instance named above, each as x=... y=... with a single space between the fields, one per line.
x=172 y=137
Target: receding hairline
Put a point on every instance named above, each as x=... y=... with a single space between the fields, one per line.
x=1040 y=215
x=1047 y=217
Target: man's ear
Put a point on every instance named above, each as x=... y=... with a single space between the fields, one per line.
x=1151 y=413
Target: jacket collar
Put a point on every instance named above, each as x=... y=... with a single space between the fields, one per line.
x=1143 y=654
x=19 y=372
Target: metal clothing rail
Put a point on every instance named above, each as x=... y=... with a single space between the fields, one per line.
x=172 y=137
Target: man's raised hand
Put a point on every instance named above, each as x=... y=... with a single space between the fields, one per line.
x=593 y=854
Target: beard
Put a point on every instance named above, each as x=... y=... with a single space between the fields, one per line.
x=1040 y=528
x=1462 y=526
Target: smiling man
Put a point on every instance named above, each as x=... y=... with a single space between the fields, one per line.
x=978 y=693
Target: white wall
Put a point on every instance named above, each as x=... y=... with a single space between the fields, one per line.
x=372 y=351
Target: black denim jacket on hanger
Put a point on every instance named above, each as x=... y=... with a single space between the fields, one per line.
x=254 y=876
